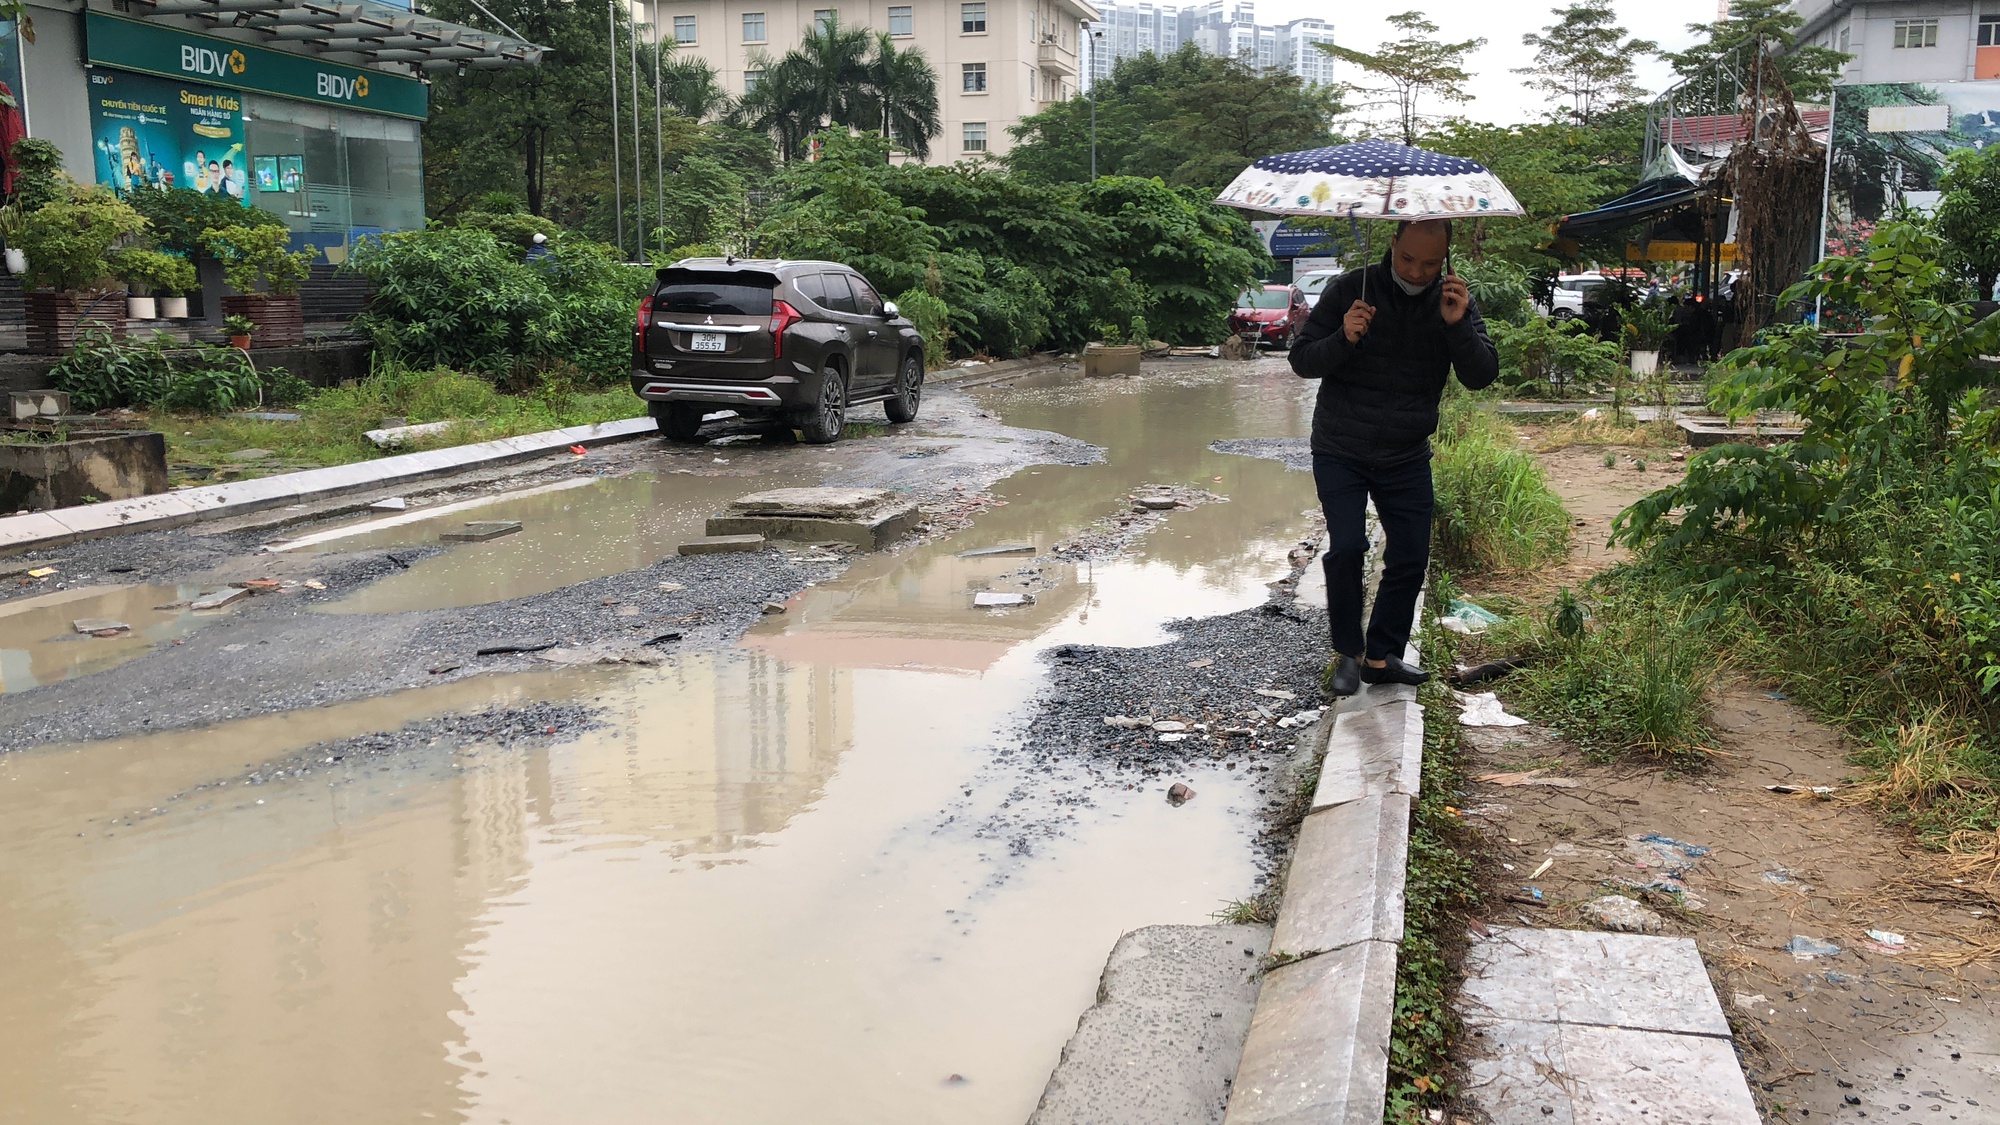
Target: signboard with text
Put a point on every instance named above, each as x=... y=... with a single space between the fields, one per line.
x=152 y=132
x=172 y=53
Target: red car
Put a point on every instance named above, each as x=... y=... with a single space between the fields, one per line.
x=1272 y=314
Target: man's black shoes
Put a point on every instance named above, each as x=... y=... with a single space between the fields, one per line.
x=1343 y=676
x=1394 y=672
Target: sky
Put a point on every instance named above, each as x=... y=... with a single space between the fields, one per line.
x=1499 y=95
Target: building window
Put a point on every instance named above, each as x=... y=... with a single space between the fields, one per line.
x=753 y=27
x=975 y=77
x=975 y=136
x=825 y=17
x=1989 y=32
x=900 y=21
x=750 y=80
x=683 y=29
x=972 y=17
x=1915 y=33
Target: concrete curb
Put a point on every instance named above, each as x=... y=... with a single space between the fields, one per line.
x=1318 y=1049
x=30 y=531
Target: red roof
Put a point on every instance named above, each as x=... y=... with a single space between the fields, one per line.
x=1727 y=129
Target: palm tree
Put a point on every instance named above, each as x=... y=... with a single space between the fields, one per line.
x=832 y=74
x=780 y=104
x=691 y=88
x=905 y=96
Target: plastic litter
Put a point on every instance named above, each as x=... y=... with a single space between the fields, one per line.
x=1804 y=948
x=1468 y=618
x=1484 y=710
x=1884 y=941
x=1671 y=858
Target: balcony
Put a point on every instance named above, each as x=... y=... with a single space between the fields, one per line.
x=1058 y=59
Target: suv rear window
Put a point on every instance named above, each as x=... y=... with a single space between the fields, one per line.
x=714 y=294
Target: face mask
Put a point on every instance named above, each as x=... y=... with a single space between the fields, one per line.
x=1406 y=287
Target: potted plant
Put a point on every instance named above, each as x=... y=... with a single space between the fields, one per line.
x=69 y=242
x=38 y=178
x=239 y=329
x=259 y=263
x=151 y=272
x=1647 y=327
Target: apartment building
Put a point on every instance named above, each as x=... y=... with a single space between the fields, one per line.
x=1225 y=28
x=997 y=61
x=1907 y=40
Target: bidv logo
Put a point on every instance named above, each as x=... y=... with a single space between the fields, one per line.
x=207 y=60
x=342 y=88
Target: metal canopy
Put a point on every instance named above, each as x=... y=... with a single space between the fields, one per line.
x=357 y=32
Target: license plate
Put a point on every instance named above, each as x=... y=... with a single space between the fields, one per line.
x=709 y=342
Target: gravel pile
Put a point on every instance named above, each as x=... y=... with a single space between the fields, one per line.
x=1294 y=453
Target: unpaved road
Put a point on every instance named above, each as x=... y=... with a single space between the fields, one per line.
x=311 y=858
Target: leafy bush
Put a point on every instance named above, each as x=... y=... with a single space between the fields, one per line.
x=932 y=318
x=1500 y=288
x=1542 y=355
x=154 y=271
x=1495 y=510
x=69 y=239
x=178 y=218
x=215 y=381
x=458 y=298
x=258 y=258
x=103 y=372
x=514 y=228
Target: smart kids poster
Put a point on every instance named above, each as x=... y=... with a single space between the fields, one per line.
x=161 y=133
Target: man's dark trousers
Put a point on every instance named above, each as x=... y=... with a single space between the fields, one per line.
x=1403 y=501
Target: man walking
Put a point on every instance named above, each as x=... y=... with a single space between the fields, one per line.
x=1382 y=368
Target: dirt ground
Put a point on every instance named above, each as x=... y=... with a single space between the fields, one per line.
x=1880 y=1029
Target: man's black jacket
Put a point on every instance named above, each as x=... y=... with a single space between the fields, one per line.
x=1378 y=399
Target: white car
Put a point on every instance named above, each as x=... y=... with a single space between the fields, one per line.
x=1314 y=283
x=1571 y=291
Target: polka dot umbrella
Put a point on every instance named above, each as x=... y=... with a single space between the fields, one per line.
x=1370 y=180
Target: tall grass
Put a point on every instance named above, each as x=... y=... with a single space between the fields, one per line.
x=1495 y=510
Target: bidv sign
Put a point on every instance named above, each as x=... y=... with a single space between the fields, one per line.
x=341 y=87
x=211 y=61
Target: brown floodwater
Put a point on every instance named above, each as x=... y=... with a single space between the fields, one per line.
x=769 y=888
x=39 y=643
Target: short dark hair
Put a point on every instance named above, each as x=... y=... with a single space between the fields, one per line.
x=1406 y=224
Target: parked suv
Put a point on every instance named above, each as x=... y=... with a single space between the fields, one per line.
x=804 y=342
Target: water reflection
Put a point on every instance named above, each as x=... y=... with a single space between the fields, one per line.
x=39 y=643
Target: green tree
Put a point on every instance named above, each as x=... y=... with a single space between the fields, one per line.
x=1553 y=169
x=1585 y=58
x=1808 y=70
x=690 y=87
x=821 y=82
x=1188 y=118
x=1968 y=216
x=1412 y=68
x=905 y=88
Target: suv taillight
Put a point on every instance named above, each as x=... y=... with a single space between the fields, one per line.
x=783 y=316
x=645 y=315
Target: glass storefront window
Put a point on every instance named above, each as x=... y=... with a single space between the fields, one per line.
x=335 y=175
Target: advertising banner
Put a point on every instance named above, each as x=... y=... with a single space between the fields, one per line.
x=1889 y=146
x=151 y=132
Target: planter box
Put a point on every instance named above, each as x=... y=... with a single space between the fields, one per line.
x=280 y=321
x=91 y=465
x=55 y=320
x=1111 y=359
x=1645 y=362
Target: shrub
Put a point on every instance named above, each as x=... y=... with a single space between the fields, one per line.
x=1500 y=288
x=1544 y=355
x=255 y=257
x=69 y=239
x=513 y=228
x=178 y=218
x=154 y=271
x=103 y=372
x=214 y=381
x=932 y=318
x=1495 y=510
x=38 y=174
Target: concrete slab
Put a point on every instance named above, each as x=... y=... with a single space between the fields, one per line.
x=479 y=531
x=1374 y=695
x=1372 y=751
x=228 y=595
x=1587 y=977
x=818 y=503
x=30 y=530
x=722 y=544
x=1163 y=1041
x=870 y=532
x=1346 y=879
x=167 y=510
x=1318 y=1050
x=1530 y=1073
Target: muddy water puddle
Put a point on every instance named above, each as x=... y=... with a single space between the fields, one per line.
x=769 y=889
x=569 y=534
x=39 y=643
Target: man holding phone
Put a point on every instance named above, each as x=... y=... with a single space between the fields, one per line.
x=1382 y=341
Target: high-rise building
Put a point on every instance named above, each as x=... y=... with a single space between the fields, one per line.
x=1225 y=28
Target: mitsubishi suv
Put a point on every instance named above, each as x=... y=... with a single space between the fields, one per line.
x=801 y=343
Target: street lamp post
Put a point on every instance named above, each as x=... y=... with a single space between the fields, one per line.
x=1095 y=38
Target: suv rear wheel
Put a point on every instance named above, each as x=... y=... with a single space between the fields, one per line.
x=679 y=421
x=901 y=406
x=821 y=422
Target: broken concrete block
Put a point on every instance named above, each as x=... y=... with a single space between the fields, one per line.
x=220 y=598
x=773 y=608
x=100 y=625
x=870 y=518
x=991 y=600
x=479 y=531
x=392 y=504
x=1346 y=880
x=37 y=404
x=1318 y=1048
x=395 y=436
x=1001 y=550
x=251 y=455
x=1621 y=914
x=722 y=544
x=1157 y=503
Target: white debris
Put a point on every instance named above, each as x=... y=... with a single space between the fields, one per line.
x=1484 y=710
